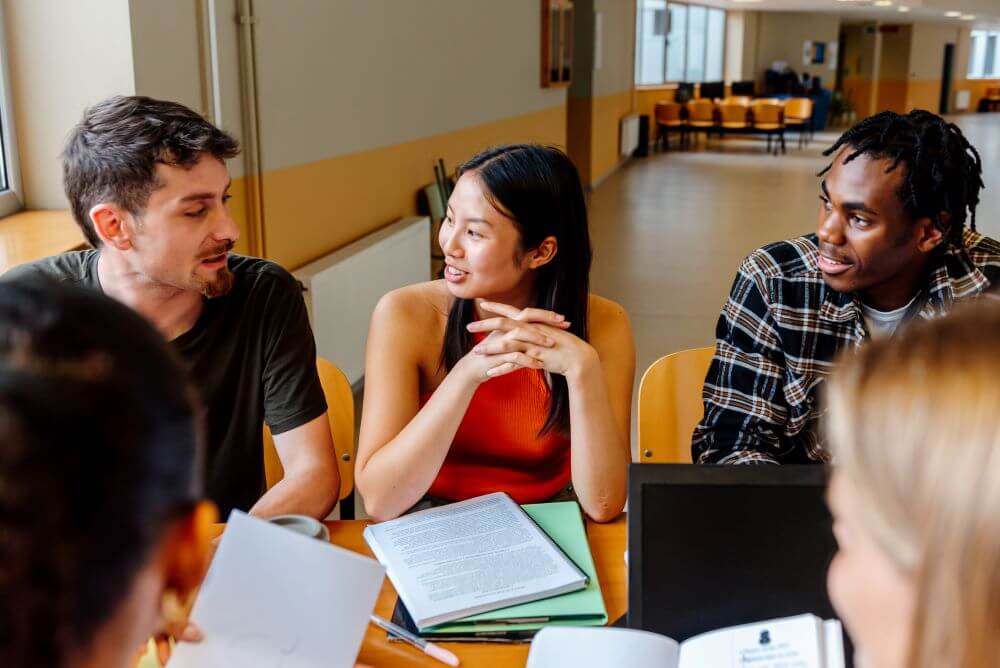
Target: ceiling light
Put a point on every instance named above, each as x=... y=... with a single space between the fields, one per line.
x=952 y=15
x=968 y=17
x=883 y=3
x=904 y=8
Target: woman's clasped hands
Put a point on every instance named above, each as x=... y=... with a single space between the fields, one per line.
x=529 y=338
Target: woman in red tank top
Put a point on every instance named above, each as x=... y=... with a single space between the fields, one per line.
x=507 y=375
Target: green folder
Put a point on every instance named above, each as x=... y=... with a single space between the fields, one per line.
x=563 y=523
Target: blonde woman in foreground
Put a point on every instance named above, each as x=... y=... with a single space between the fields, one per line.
x=915 y=426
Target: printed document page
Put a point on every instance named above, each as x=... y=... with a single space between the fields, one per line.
x=791 y=642
x=276 y=599
x=470 y=557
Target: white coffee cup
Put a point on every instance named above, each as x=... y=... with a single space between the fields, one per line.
x=304 y=525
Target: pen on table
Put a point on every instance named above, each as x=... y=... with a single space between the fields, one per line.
x=427 y=647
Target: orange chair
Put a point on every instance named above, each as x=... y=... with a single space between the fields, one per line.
x=769 y=119
x=670 y=405
x=340 y=411
x=669 y=118
x=734 y=117
x=701 y=116
x=798 y=114
x=738 y=99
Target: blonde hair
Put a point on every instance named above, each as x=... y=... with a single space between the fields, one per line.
x=914 y=425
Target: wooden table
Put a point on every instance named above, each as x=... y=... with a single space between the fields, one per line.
x=607 y=543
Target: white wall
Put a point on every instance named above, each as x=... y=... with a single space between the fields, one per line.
x=781 y=36
x=336 y=78
x=63 y=57
x=617 y=70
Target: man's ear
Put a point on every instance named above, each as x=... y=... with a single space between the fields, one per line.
x=112 y=224
x=188 y=548
x=544 y=253
x=930 y=233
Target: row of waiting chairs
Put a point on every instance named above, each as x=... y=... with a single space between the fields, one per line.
x=669 y=408
x=766 y=116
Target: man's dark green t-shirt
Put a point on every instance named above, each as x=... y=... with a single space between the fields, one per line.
x=251 y=356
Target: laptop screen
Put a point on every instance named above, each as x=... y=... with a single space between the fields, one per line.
x=718 y=553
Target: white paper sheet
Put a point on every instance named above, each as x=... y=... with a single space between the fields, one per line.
x=276 y=599
x=563 y=646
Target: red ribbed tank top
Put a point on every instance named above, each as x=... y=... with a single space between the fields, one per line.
x=497 y=447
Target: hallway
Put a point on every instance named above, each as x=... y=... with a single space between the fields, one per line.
x=669 y=230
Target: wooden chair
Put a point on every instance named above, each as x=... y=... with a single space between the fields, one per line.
x=769 y=120
x=734 y=117
x=340 y=410
x=701 y=116
x=670 y=405
x=668 y=118
x=738 y=99
x=798 y=115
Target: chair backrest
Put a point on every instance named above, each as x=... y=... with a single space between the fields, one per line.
x=670 y=405
x=767 y=114
x=701 y=110
x=734 y=113
x=738 y=99
x=340 y=411
x=712 y=90
x=743 y=88
x=799 y=108
x=667 y=112
x=765 y=100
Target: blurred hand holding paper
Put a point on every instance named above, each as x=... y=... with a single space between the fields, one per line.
x=276 y=599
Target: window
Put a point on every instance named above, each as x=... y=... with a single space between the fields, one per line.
x=10 y=181
x=688 y=48
x=984 y=55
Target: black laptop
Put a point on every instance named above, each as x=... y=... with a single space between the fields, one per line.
x=717 y=546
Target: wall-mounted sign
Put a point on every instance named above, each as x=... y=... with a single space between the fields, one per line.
x=813 y=53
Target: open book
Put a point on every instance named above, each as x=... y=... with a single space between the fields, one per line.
x=804 y=641
x=470 y=557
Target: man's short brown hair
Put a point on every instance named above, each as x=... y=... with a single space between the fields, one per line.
x=111 y=155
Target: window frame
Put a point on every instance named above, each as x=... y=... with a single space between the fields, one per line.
x=11 y=199
x=994 y=68
x=640 y=27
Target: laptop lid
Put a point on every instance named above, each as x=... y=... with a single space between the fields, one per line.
x=716 y=546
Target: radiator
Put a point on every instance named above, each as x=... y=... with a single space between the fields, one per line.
x=343 y=287
x=629 y=135
x=962 y=100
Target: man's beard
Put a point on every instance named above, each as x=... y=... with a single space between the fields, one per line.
x=219 y=285
x=222 y=282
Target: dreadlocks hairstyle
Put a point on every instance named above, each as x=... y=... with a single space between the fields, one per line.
x=943 y=170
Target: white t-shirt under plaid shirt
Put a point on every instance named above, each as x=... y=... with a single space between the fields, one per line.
x=779 y=335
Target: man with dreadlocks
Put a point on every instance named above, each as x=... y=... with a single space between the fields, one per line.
x=891 y=244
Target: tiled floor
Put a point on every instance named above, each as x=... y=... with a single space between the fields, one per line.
x=669 y=230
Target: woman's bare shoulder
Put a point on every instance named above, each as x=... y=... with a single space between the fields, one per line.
x=416 y=304
x=608 y=321
x=604 y=311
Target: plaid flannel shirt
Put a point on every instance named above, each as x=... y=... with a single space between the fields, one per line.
x=779 y=335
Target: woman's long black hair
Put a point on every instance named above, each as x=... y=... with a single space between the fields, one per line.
x=539 y=189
